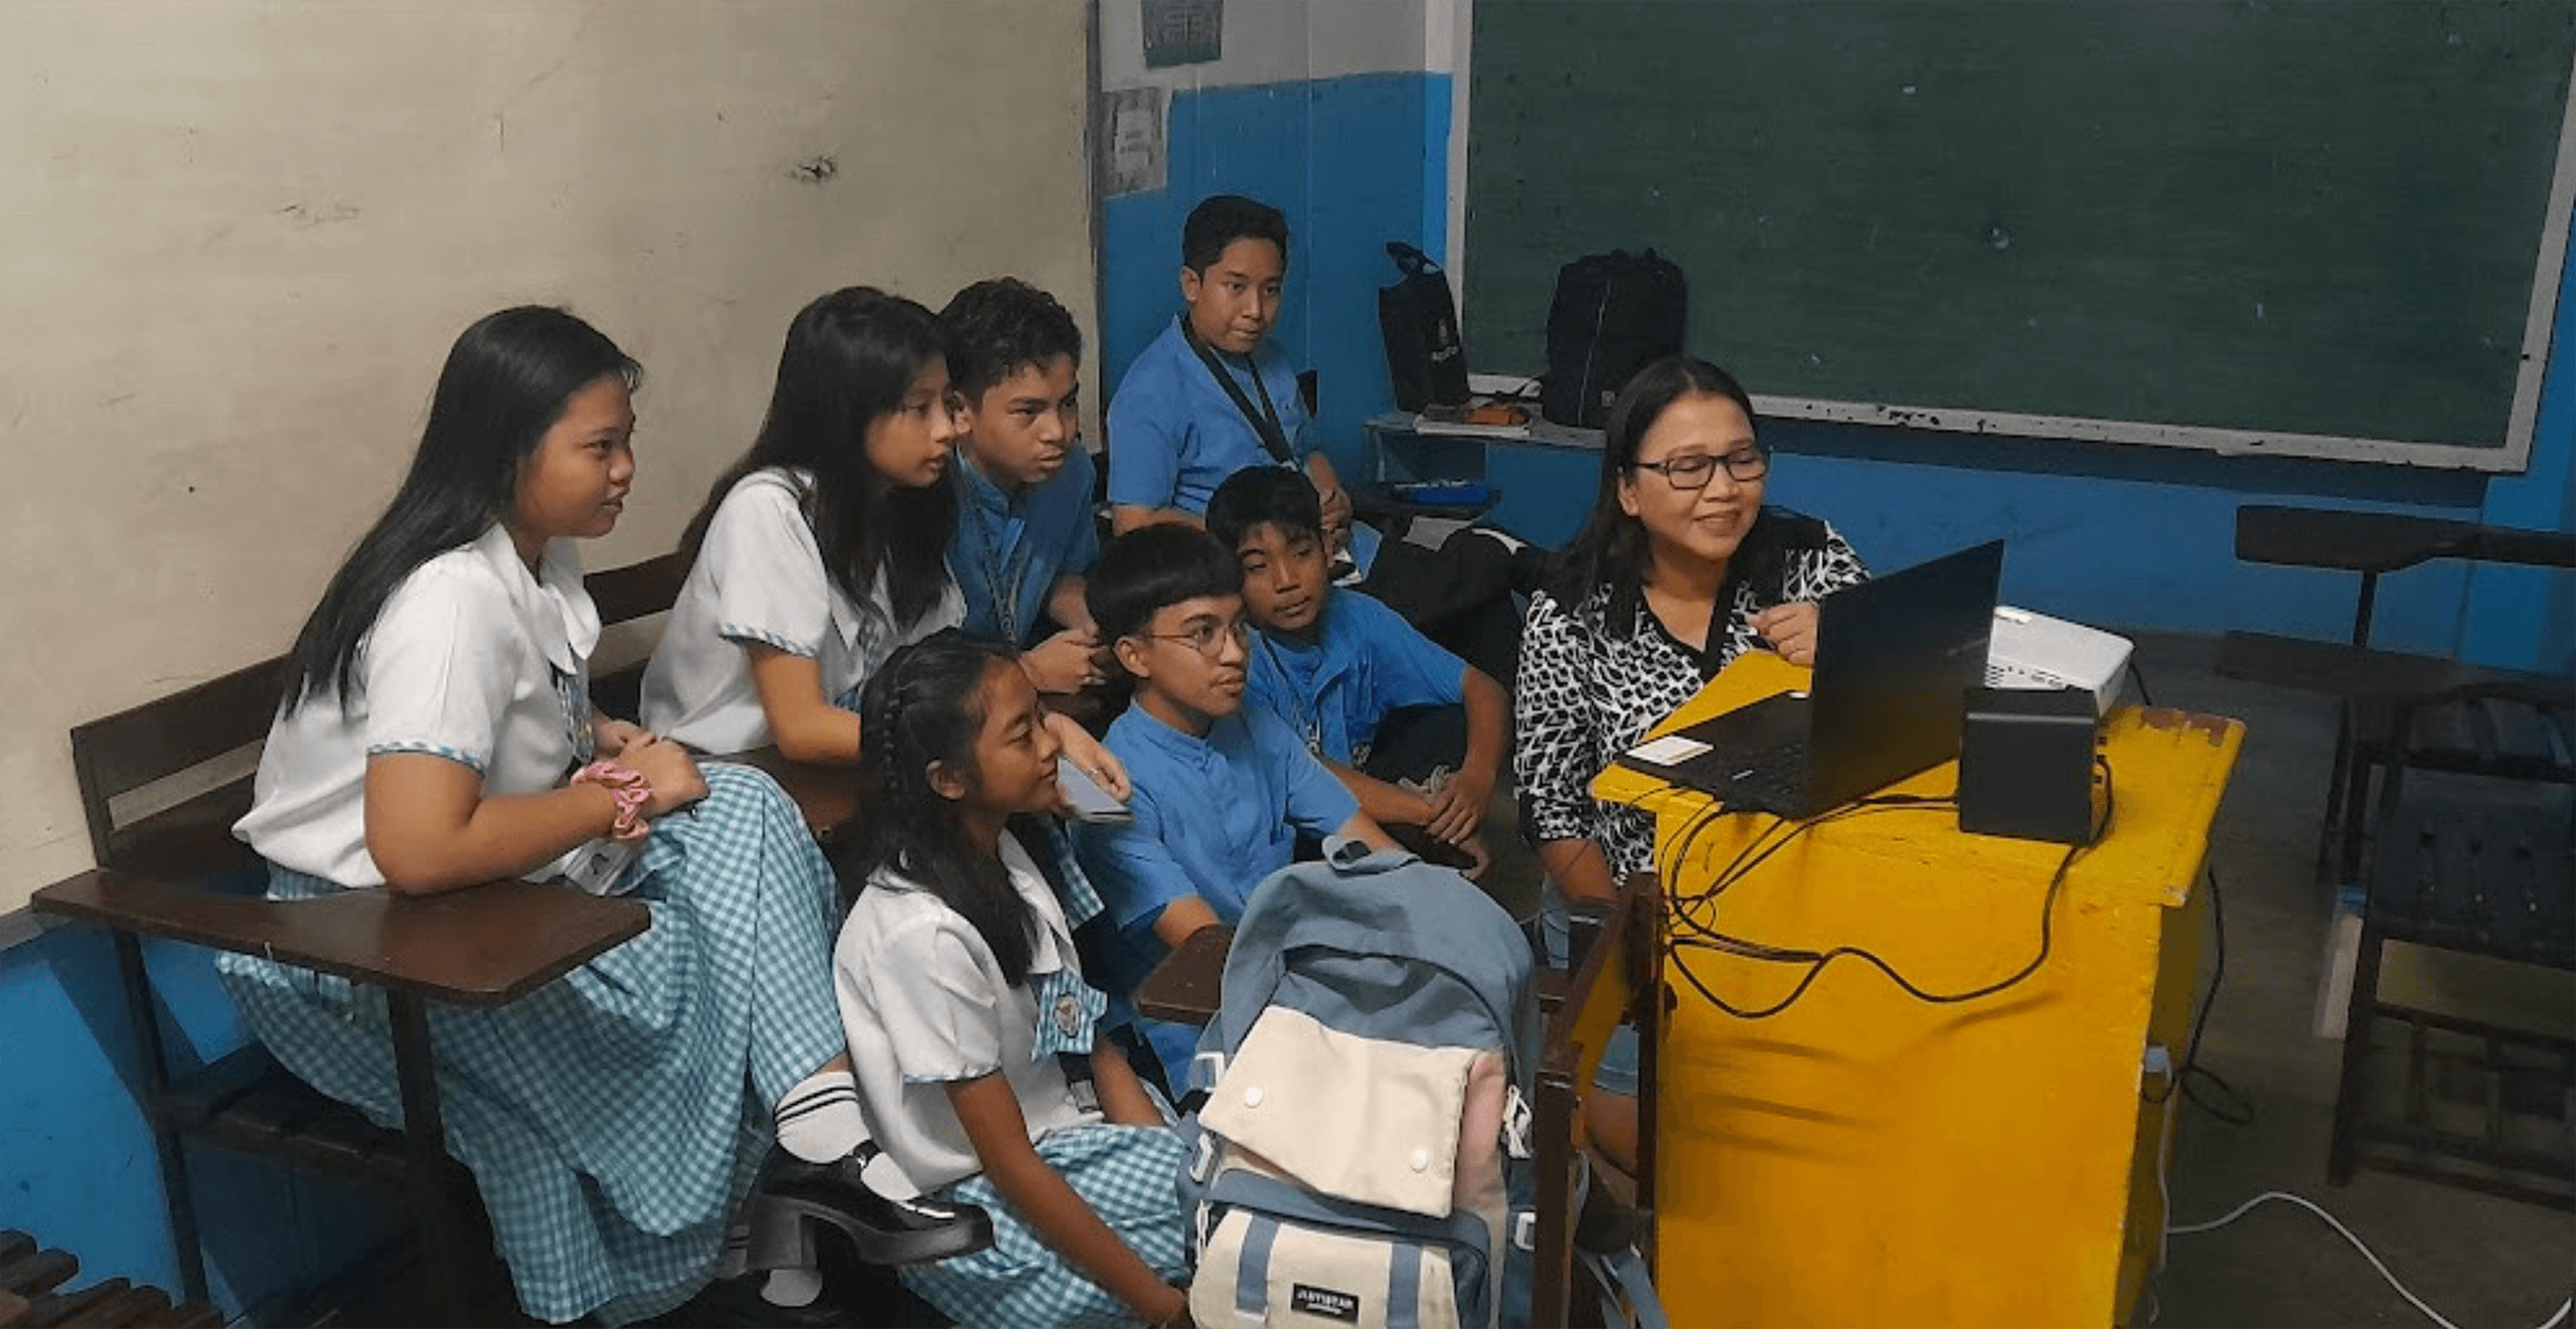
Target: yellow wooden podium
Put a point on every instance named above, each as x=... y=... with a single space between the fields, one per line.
x=1864 y=1158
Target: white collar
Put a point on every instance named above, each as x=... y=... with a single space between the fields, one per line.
x=1054 y=948
x=553 y=606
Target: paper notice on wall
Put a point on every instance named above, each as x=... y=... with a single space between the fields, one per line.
x=1183 y=32
x=1136 y=156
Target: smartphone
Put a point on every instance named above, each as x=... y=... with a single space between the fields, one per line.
x=1089 y=801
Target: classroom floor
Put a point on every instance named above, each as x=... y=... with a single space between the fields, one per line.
x=2475 y=1259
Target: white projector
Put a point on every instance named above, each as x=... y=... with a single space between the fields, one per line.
x=2035 y=651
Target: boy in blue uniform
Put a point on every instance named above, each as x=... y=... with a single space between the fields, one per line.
x=1221 y=791
x=1024 y=527
x=1381 y=704
x=1213 y=395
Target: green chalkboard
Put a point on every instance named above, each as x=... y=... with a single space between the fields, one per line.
x=2312 y=227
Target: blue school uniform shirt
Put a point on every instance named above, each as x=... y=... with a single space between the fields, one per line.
x=1174 y=434
x=1007 y=555
x=1214 y=816
x=1365 y=661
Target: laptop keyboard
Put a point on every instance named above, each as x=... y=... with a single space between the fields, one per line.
x=1772 y=775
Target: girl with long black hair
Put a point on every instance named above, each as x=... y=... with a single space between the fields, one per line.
x=968 y=1017
x=825 y=547
x=437 y=732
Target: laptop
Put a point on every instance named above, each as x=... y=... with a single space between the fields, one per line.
x=1895 y=657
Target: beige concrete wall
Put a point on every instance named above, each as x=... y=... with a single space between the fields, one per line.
x=236 y=239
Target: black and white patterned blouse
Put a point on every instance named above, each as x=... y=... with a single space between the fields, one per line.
x=1586 y=694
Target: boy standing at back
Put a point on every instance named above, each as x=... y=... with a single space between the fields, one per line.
x=1338 y=666
x=1220 y=791
x=1024 y=528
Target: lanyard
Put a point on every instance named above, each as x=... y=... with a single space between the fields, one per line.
x=1266 y=423
x=576 y=708
x=1002 y=576
x=1306 y=712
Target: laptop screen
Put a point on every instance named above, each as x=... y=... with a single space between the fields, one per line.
x=1895 y=658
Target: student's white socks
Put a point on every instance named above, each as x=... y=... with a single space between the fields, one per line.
x=819 y=1120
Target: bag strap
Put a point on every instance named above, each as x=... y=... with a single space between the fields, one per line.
x=1626 y=1292
x=1274 y=437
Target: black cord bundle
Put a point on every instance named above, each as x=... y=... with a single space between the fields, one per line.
x=1702 y=933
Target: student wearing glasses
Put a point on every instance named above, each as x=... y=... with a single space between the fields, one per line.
x=1221 y=790
x=1680 y=568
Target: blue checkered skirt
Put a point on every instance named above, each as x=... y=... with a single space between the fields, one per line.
x=1129 y=1175
x=614 y=1118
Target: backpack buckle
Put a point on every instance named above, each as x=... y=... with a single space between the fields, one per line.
x=1205 y=1070
x=1204 y=1166
x=1517 y=1123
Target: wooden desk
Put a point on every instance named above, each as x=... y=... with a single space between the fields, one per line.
x=2372 y=543
x=1864 y=1158
x=1189 y=985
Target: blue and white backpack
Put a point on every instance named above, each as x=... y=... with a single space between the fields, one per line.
x=1363 y=1158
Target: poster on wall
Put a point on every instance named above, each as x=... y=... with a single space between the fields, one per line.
x=1135 y=140
x=1183 y=32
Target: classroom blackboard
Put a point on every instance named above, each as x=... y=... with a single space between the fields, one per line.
x=2299 y=228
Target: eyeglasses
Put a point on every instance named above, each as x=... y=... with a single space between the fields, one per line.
x=1695 y=471
x=1208 y=637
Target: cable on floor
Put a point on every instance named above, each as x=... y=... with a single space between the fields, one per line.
x=2556 y=1319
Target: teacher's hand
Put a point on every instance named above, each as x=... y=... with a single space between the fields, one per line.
x=1791 y=630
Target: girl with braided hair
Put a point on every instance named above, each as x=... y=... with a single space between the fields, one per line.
x=979 y=1062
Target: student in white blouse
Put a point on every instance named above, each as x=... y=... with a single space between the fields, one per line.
x=972 y=1028
x=825 y=547
x=436 y=733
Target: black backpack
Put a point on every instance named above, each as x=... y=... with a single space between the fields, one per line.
x=1425 y=357
x=1613 y=314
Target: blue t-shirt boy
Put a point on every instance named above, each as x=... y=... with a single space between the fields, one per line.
x=1363 y=662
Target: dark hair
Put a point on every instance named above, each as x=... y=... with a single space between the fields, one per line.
x=997 y=328
x=505 y=384
x=1264 y=496
x=1609 y=553
x=850 y=357
x=925 y=704
x=1220 y=220
x=1147 y=569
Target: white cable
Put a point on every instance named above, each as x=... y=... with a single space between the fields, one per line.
x=2239 y=1211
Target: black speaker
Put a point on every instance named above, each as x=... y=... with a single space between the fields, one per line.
x=2026 y=764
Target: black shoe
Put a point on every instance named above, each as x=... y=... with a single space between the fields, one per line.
x=794 y=1196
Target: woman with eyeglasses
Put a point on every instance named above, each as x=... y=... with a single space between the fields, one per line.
x=1680 y=568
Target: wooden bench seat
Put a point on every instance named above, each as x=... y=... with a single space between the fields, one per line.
x=177 y=874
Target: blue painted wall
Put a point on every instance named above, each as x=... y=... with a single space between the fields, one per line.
x=2117 y=535
x=77 y=1166
x=1354 y=162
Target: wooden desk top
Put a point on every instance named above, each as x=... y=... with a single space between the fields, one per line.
x=1189 y=984
x=2169 y=768
x=2386 y=541
x=1987 y=1151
